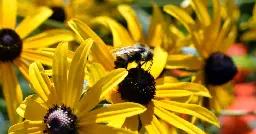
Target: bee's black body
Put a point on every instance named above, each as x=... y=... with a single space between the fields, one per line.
x=137 y=53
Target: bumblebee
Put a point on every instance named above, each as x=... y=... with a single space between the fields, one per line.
x=138 y=53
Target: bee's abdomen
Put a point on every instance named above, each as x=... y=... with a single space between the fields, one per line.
x=120 y=63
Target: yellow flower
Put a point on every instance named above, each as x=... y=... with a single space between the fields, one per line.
x=16 y=49
x=211 y=39
x=156 y=34
x=58 y=107
x=65 y=10
x=141 y=87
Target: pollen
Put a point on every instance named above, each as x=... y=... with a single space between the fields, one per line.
x=60 y=120
x=219 y=69
x=138 y=86
x=10 y=45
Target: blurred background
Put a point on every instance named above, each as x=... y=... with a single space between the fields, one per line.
x=240 y=116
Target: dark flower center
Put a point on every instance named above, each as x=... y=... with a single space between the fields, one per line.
x=10 y=45
x=58 y=14
x=60 y=120
x=138 y=86
x=219 y=69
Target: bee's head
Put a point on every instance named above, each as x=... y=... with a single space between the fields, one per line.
x=149 y=56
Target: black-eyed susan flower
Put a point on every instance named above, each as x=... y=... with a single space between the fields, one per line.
x=156 y=36
x=16 y=49
x=65 y=10
x=143 y=87
x=211 y=39
x=58 y=108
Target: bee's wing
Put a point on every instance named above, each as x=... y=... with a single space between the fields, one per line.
x=116 y=51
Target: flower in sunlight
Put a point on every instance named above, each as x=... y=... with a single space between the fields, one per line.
x=16 y=48
x=213 y=67
x=60 y=108
x=143 y=87
x=64 y=10
x=160 y=32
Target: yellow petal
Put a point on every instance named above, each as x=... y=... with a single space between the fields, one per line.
x=48 y=38
x=249 y=35
x=222 y=96
x=95 y=72
x=114 y=97
x=26 y=8
x=97 y=129
x=11 y=91
x=177 y=121
x=159 y=61
x=41 y=84
x=190 y=109
x=114 y=111
x=155 y=31
x=32 y=108
x=229 y=40
x=8 y=13
x=216 y=21
x=47 y=72
x=121 y=36
x=23 y=67
x=197 y=40
x=27 y=127
x=180 y=90
x=151 y=123
x=133 y=23
x=211 y=33
x=201 y=12
x=222 y=34
x=99 y=49
x=198 y=77
x=35 y=55
x=76 y=73
x=30 y=23
x=180 y=15
x=118 y=123
x=57 y=2
x=188 y=62
x=132 y=123
x=48 y=53
x=166 y=79
x=59 y=70
x=97 y=93
x=254 y=10
x=168 y=128
x=51 y=51
x=231 y=10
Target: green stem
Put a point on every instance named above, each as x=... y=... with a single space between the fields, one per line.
x=54 y=23
x=245 y=62
x=236 y=112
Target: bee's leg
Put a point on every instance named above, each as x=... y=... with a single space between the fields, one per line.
x=151 y=63
x=143 y=63
x=139 y=64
